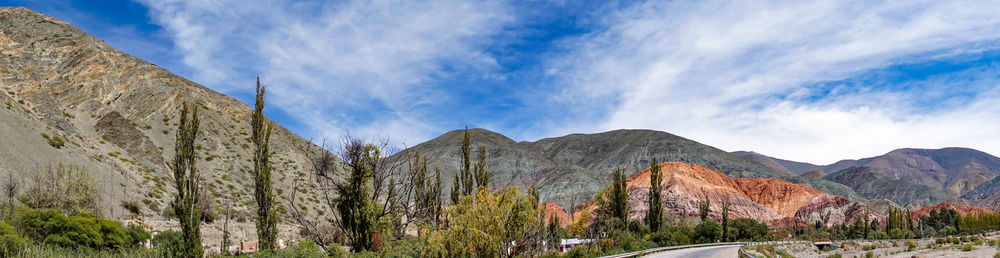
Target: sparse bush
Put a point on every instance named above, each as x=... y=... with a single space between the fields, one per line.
x=869 y=255
x=910 y=246
x=68 y=189
x=131 y=207
x=54 y=141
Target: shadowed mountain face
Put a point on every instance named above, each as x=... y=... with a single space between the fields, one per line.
x=117 y=115
x=951 y=172
x=873 y=183
x=568 y=170
x=787 y=166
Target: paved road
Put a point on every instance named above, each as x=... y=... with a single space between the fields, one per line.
x=725 y=251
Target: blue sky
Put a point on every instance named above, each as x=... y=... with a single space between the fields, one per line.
x=813 y=81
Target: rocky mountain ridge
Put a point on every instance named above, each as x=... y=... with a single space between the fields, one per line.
x=116 y=116
x=907 y=175
x=570 y=169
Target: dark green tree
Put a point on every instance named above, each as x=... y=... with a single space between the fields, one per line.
x=436 y=213
x=707 y=232
x=619 y=196
x=354 y=203
x=468 y=180
x=654 y=216
x=456 y=192
x=704 y=208
x=482 y=176
x=267 y=220
x=187 y=180
x=725 y=218
x=554 y=230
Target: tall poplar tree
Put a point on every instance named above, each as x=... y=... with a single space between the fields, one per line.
x=725 y=218
x=619 y=196
x=466 y=169
x=187 y=181
x=267 y=220
x=482 y=176
x=654 y=216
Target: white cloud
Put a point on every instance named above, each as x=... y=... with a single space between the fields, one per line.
x=367 y=66
x=715 y=72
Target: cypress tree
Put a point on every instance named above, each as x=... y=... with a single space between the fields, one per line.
x=187 y=181
x=619 y=196
x=267 y=220
x=466 y=169
x=482 y=176
x=456 y=194
x=437 y=195
x=654 y=216
x=725 y=218
x=704 y=208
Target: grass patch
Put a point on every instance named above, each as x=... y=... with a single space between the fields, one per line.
x=54 y=141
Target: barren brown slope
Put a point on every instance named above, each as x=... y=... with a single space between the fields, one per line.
x=554 y=209
x=118 y=115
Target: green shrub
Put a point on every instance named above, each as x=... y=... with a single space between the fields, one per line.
x=967 y=247
x=783 y=254
x=54 y=141
x=870 y=247
x=707 y=232
x=910 y=246
x=170 y=242
x=80 y=231
x=869 y=255
x=835 y=256
x=662 y=238
x=11 y=245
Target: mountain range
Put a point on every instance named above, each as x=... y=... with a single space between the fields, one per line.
x=568 y=170
x=69 y=98
x=906 y=175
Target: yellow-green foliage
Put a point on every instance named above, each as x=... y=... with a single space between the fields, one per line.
x=483 y=223
x=11 y=245
x=68 y=189
x=967 y=247
x=579 y=225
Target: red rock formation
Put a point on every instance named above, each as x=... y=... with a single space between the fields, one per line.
x=832 y=210
x=961 y=209
x=763 y=199
x=552 y=208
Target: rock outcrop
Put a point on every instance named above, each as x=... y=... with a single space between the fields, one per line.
x=961 y=209
x=832 y=210
x=554 y=209
x=685 y=185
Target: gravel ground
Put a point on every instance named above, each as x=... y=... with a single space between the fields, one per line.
x=887 y=248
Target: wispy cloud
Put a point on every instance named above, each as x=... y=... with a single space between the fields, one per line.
x=749 y=75
x=368 y=66
x=813 y=81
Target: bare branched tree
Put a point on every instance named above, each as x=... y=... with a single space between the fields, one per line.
x=348 y=178
x=10 y=189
